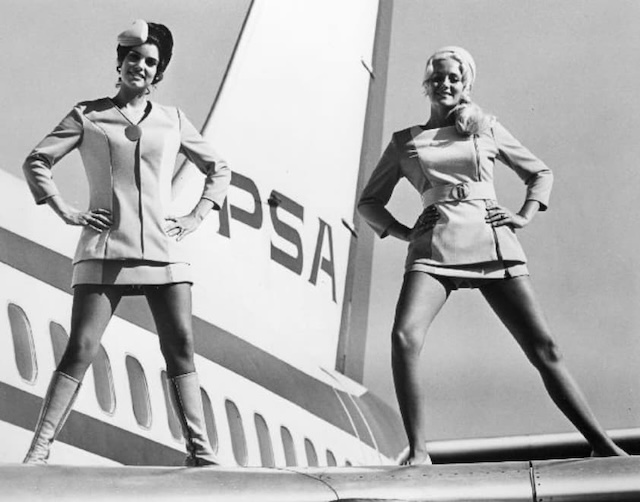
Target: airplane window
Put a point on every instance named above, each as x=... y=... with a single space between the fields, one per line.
x=310 y=450
x=103 y=381
x=59 y=340
x=24 y=350
x=331 y=459
x=289 y=448
x=210 y=420
x=348 y=463
x=172 y=418
x=264 y=441
x=238 y=439
x=139 y=392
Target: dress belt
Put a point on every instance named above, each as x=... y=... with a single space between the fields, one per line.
x=457 y=192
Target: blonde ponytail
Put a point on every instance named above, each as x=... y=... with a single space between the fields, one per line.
x=470 y=119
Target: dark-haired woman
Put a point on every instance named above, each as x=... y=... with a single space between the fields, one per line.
x=129 y=244
x=465 y=239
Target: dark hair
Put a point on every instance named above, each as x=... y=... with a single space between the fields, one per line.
x=160 y=36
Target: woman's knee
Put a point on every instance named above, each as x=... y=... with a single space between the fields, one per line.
x=407 y=340
x=179 y=359
x=544 y=353
x=82 y=350
x=178 y=344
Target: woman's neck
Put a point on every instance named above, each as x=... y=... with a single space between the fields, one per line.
x=126 y=99
x=441 y=117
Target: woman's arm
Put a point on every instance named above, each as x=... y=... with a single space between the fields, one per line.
x=38 y=165
x=498 y=215
x=377 y=192
x=534 y=173
x=217 y=179
x=97 y=219
x=424 y=223
x=531 y=170
x=206 y=159
x=181 y=226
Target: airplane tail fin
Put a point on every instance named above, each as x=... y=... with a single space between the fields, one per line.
x=298 y=118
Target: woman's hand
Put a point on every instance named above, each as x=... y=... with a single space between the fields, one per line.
x=181 y=226
x=96 y=219
x=498 y=216
x=425 y=222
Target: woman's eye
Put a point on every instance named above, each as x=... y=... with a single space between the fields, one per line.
x=151 y=62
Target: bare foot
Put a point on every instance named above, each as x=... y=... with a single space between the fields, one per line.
x=417 y=458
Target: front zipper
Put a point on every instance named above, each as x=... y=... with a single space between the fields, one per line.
x=477 y=154
x=493 y=229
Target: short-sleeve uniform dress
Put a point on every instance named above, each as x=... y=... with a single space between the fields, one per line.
x=131 y=177
x=455 y=172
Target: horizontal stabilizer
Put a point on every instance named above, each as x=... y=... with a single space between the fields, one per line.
x=526 y=447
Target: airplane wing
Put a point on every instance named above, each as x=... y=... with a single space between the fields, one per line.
x=609 y=479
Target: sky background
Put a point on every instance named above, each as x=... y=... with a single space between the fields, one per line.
x=561 y=76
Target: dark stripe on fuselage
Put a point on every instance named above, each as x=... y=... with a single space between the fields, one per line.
x=212 y=342
x=21 y=409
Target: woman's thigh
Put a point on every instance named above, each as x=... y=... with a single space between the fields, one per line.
x=421 y=298
x=170 y=306
x=516 y=304
x=93 y=307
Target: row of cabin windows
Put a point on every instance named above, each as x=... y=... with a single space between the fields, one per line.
x=26 y=362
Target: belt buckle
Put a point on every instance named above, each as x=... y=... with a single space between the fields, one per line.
x=460 y=191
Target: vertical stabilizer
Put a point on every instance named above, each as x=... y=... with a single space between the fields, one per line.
x=290 y=120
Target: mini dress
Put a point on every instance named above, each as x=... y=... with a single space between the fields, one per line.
x=130 y=175
x=455 y=173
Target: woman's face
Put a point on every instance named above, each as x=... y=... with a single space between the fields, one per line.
x=445 y=85
x=139 y=67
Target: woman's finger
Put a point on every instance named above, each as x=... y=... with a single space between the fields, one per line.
x=497 y=214
x=94 y=224
x=429 y=216
x=102 y=220
x=500 y=219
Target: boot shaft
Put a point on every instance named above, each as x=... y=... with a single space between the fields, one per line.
x=56 y=406
x=187 y=398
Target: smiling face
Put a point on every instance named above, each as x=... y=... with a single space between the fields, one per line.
x=139 y=67
x=445 y=86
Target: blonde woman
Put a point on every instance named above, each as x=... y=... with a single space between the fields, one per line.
x=465 y=239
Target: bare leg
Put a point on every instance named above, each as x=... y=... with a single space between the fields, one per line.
x=171 y=308
x=421 y=298
x=93 y=307
x=515 y=302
